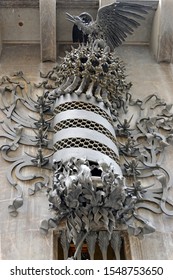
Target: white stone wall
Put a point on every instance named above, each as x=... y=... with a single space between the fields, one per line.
x=20 y=237
x=149 y=77
x=0 y=38
x=162 y=33
x=20 y=25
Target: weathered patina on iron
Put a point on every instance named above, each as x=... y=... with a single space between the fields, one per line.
x=107 y=162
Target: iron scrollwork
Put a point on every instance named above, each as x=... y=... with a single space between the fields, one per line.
x=107 y=162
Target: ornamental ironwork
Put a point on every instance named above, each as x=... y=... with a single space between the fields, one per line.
x=103 y=148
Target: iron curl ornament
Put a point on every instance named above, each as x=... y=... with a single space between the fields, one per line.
x=103 y=149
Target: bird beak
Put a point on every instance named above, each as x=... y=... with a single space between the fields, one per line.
x=70 y=17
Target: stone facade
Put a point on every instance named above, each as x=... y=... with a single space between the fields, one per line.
x=0 y=39
x=162 y=38
x=21 y=23
x=48 y=30
x=20 y=237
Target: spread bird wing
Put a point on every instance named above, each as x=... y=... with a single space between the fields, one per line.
x=117 y=20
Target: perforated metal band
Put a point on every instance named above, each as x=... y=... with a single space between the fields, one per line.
x=83 y=123
x=82 y=106
x=84 y=115
x=82 y=98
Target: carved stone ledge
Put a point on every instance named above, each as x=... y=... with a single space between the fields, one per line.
x=19 y=3
x=35 y=3
x=78 y=3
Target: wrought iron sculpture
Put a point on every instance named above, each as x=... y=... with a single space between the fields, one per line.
x=81 y=127
x=112 y=25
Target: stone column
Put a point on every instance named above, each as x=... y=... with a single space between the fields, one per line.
x=48 y=30
x=0 y=39
x=105 y=2
x=162 y=32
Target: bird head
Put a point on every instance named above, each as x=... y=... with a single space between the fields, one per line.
x=75 y=19
x=86 y=17
x=81 y=21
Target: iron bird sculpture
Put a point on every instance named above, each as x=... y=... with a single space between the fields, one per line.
x=112 y=25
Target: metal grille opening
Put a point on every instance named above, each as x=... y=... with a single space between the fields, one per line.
x=82 y=106
x=85 y=143
x=124 y=249
x=83 y=123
